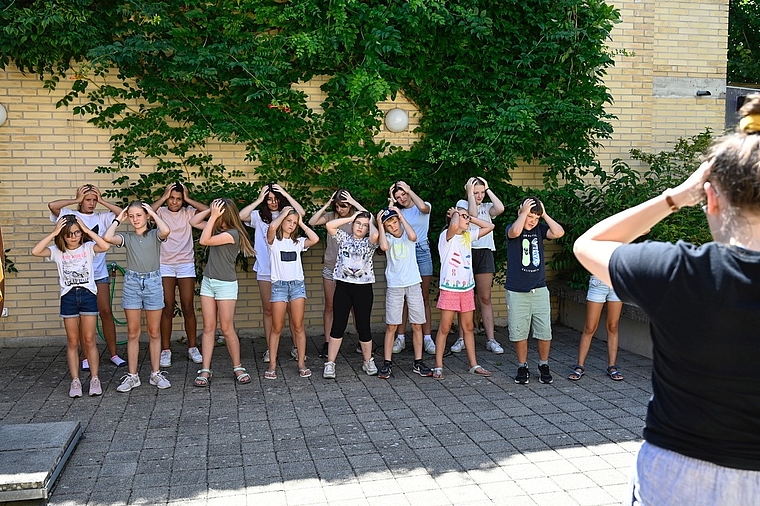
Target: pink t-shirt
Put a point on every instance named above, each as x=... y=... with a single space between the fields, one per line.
x=178 y=247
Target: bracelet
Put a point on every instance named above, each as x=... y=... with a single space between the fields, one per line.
x=669 y=200
x=116 y=221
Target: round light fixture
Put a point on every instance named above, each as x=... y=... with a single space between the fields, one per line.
x=396 y=120
x=3 y=115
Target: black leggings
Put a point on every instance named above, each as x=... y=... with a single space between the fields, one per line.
x=360 y=297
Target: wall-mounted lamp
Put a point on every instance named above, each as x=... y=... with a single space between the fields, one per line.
x=3 y=115
x=396 y=120
x=703 y=93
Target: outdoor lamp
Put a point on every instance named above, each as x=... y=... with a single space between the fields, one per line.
x=396 y=120
x=3 y=115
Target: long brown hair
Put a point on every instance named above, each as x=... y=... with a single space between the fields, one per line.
x=60 y=239
x=229 y=219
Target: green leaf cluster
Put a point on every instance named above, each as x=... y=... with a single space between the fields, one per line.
x=743 y=42
x=584 y=205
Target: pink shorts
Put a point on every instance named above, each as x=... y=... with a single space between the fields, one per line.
x=461 y=302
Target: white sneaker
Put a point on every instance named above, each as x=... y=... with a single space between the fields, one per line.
x=369 y=367
x=458 y=345
x=266 y=357
x=294 y=353
x=195 y=355
x=399 y=345
x=493 y=346
x=76 y=388
x=429 y=346
x=329 y=372
x=128 y=382
x=158 y=379
x=166 y=358
x=95 y=388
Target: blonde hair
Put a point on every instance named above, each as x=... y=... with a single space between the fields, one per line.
x=296 y=233
x=229 y=219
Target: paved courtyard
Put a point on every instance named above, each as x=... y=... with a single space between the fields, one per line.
x=354 y=441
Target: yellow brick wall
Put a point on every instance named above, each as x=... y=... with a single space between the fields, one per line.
x=46 y=153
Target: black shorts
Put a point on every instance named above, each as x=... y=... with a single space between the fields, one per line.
x=482 y=261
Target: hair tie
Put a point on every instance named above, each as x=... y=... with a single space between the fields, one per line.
x=750 y=124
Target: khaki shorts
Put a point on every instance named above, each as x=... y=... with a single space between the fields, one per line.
x=394 y=305
x=528 y=310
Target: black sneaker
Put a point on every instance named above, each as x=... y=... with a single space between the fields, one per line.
x=385 y=370
x=523 y=375
x=421 y=369
x=543 y=374
x=323 y=353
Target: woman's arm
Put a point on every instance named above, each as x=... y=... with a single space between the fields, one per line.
x=320 y=217
x=206 y=239
x=167 y=191
x=100 y=244
x=421 y=205
x=498 y=206
x=110 y=235
x=56 y=205
x=373 y=233
x=311 y=237
x=199 y=206
x=332 y=226
x=163 y=228
x=485 y=227
x=245 y=213
x=111 y=207
x=272 y=230
x=199 y=219
x=293 y=202
x=595 y=247
x=381 y=238
x=453 y=215
x=41 y=249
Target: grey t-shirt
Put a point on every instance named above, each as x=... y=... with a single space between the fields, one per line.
x=143 y=251
x=221 y=259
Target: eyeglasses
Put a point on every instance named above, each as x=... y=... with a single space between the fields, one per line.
x=75 y=233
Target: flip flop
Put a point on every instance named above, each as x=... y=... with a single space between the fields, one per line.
x=270 y=375
x=305 y=372
x=479 y=371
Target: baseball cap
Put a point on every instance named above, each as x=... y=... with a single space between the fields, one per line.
x=463 y=204
x=388 y=214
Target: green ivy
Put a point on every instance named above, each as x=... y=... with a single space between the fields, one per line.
x=743 y=42
x=584 y=205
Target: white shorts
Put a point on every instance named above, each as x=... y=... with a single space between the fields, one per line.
x=178 y=271
x=394 y=305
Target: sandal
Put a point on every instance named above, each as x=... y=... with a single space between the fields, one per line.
x=479 y=371
x=270 y=375
x=305 y=372
x=438 y=373
x=203 y=381
x=578 y=372
x=612 y=372
x=242 y=378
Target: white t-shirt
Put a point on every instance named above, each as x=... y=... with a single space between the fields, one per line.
x=260 y=243
x=285 y=259
x=75 y=267
x=178 y=247
x=97 y=222
x=354 y=263
x=456 y=260
x=419 y=221
x=401 y=270
x=485 y=242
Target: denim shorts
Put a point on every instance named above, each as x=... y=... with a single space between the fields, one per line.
x=178 y=271
x=143 y=290
x=599 y=292
x=327 y=272
x=219 y=290
x=424 y=258
x=78 y=302
x=285 y=291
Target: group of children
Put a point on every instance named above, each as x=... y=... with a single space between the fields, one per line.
x=161 y=258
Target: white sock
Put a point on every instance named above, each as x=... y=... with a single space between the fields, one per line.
x=401 y=336
x=428 y=337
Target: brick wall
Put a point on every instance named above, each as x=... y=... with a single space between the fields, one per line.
x=46 y=153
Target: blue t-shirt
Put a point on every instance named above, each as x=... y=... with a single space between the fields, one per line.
x=525 y=259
